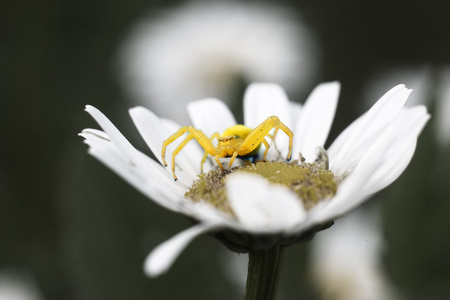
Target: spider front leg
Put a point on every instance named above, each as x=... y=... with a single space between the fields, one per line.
x=257 y=136
x=236 y=153
x=193 y=133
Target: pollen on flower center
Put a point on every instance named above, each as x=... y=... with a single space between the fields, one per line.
x=310 y=181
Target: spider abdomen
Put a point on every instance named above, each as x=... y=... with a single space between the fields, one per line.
x=240 y=132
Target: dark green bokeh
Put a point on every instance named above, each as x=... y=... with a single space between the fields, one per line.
x=84 y=233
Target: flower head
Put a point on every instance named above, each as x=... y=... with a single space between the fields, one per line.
x=366 y=157
x=204 y=48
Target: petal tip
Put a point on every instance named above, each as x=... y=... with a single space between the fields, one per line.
x=331 y=89
x=88 y=108
x=137 y=110
x=330 y=84
x=152 y=269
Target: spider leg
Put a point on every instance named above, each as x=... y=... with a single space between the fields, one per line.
x=216 y=157
x=215 y=135
x=196 y=134
x=289 y=134
x=266 y=144
x=280 y=125
x=235 y=153
x=272 y=137
x=203 y=161
x=255 y=137
x=258 y=134
x=274 y=134
x=177 y=150
x=170 y=140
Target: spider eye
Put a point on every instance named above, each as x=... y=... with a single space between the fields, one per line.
x=226 y=138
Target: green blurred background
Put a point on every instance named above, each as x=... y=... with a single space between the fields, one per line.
x=74 y=230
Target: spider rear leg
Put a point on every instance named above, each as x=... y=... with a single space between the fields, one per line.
x=266 y=144
x=291 y=137
x=217 y=136
x=280 y=125
x=272 y=137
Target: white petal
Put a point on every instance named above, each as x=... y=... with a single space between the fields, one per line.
x=163 y=256
x=151 y=129
x=154 y=131
x=335 y=148
x=261 y=206
x=147 y=167
x=206 y=213
x=151 y=182
x=130 y=154
x=263 y=100
x=114 y=134
x=370 y=126
x=315 y=120
x=381 y=164
x=210 y=116
x=399 y=154
x=296 y=109
x=349 y=195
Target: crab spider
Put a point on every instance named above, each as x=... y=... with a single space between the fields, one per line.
x=238 y=140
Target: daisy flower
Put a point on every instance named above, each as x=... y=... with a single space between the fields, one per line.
x=206 y=48
x=259 y=211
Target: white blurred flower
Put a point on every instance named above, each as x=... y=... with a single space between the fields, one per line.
x=201 y=49
x=235 y=267
x=15 y=285
x=370 y=154
x=430 y=84
x=443 y=108
x=418 y=78
x=346 y=262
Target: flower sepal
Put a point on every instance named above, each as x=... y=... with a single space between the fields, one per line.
x=244 y=242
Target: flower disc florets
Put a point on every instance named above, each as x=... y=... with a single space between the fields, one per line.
x=310 y=182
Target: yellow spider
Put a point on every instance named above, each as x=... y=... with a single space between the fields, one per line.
x=238 y=140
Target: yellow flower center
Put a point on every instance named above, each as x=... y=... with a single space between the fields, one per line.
x=311 y=182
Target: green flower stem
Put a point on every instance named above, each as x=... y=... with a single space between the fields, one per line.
x=263 y=273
